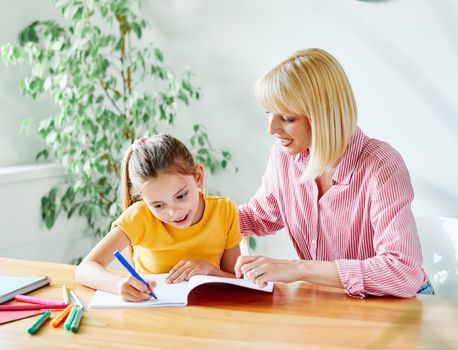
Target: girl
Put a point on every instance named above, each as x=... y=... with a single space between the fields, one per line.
x=343 y=197
x=168 y=223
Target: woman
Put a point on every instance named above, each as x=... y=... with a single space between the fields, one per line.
x=343 y=197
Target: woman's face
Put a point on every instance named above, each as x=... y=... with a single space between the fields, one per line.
x=174 y=199
x=293 y=132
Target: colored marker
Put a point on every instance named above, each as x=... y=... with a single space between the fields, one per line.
x=38 y=323
x=76 y=320
x=17 y=307
x=35 y=300
x=69 y=320
x=75 y=299
x=134 y=273
x=65 y=294
x=61 y=317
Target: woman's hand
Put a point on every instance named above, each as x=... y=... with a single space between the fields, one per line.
x=131 y=289
x=260 y=270
x=185 y=269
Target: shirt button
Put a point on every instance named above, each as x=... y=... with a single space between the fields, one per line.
x=313 y=241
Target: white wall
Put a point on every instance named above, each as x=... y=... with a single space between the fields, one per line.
x=401 y=57
x=23 y=234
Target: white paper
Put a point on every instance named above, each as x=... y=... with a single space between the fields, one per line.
x=168 y=294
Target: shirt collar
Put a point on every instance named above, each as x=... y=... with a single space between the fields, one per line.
x=347 y=165
x=301 y=157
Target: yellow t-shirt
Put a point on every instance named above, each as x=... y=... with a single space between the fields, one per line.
x=159 y=246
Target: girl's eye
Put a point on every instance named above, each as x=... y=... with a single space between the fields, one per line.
x=158 y=206
x=182 y=196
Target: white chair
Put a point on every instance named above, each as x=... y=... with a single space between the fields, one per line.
x=245 y=246
x=439 y=244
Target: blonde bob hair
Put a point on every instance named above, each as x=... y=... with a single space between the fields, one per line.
x=311 y=83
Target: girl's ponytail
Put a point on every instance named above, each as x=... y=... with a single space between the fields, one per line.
x=126 y=192
x=125 y=181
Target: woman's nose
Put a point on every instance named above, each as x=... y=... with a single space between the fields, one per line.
x=274 y=125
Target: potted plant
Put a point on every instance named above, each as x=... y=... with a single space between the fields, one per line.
x=110 y=88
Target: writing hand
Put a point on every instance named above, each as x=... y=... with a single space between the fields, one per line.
x=131 y=289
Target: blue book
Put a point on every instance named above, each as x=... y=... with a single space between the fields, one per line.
x=10 y=286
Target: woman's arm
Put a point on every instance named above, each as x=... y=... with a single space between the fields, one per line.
x=261 y=215
x=396 y=269
x=260 y=270
x=92 y=271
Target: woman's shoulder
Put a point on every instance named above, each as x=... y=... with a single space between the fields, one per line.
x=380 y=152
x=380 y=159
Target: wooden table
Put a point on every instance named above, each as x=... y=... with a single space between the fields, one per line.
x=295 y=316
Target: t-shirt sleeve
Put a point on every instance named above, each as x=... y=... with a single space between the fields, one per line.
x=233 y=229
x=133 y=222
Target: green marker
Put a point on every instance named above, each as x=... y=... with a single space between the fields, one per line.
x=76 y=320
x=33 y=328
x=69 y=320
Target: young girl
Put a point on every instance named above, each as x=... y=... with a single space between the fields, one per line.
x=168 y=223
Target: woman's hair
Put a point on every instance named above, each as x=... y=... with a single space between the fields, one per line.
x=150 y=157
x=311 y=83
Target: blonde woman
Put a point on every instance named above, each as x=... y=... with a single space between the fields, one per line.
x=343 y=197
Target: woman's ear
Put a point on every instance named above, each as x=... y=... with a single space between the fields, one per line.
x=200 y=176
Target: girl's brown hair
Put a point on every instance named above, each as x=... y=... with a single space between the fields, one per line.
x=150 y=157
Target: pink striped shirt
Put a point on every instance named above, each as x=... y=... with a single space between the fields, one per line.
x=363 y=222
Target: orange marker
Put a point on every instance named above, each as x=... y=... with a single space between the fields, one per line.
x=61 y=317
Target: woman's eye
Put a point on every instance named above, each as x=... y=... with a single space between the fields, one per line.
x=287 y=120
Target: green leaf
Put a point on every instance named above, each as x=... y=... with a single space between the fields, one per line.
x=25 y=126
x=77 y=14
x=159 y=55
x=252 y=242
x=137 y=29
x=49 y=208
x=43 y=153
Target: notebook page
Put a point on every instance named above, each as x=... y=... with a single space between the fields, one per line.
x=167 y=295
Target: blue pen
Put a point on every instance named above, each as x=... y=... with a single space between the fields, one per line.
x=129 y=268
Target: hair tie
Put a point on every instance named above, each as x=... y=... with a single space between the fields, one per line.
x=137 y=143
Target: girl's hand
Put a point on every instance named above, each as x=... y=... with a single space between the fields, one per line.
x=185 y=269
x=131 y=289
x=260 y=270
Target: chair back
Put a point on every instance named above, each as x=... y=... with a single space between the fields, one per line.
x=439 y=245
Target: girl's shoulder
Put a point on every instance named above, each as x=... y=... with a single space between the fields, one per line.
x=218 y=203
x=137 y=209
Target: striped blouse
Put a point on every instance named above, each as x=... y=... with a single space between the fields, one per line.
x=363 y=222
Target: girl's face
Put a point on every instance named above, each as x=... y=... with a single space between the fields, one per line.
x=292 y=131
x=174 y=199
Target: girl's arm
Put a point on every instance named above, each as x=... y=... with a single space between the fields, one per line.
x=228 y=261
x=92 y=271
x=185 y=269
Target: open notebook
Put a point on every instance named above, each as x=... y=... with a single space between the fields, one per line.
x=168 y=294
